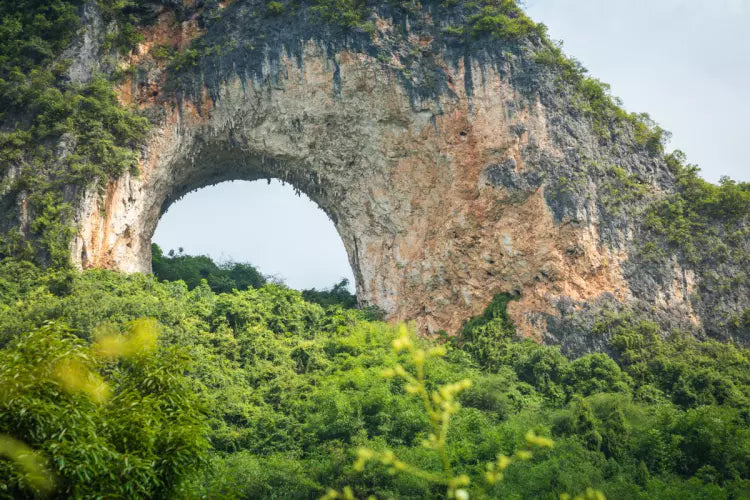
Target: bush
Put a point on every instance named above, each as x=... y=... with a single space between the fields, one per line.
x=222 y=278
x=125 y=428
x=274 y=8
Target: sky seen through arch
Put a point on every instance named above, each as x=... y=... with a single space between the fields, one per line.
x=685 y=62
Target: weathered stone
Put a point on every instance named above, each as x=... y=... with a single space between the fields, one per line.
x=420 y=195
x=451 y=172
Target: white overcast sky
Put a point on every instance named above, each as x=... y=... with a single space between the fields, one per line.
x=685 y=62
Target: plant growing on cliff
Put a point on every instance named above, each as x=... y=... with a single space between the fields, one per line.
x=620 y=192
x=595 y=100
x=57 y=133
x=274 y=8
x=706 y=226
x=501 y=19
x=347 y=14
x=690 y=217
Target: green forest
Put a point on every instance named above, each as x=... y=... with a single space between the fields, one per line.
x=259 y=393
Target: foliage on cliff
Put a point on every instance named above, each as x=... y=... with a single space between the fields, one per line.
x=486 y=32
x=290 y=390
x=56 y=136
x=701 y=216
x=502 y=19
x=708 y=227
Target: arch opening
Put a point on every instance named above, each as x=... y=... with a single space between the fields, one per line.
x=267 y=223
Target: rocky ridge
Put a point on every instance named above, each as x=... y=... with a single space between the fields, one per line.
x=455 y=163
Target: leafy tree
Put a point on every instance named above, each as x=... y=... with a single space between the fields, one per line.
x=114 y=419
x=338 y=294
x=222 y=278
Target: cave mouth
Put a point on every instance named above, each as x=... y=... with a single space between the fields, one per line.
x=266 y=223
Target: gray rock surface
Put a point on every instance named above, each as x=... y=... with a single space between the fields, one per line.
x=452 y=171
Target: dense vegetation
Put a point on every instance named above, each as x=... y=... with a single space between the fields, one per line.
x=286 y=391
x=229 y=276
x=193 y=269
x=54 y=132
x=94 y=414
x=338 y=294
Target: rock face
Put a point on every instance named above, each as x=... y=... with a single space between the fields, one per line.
x=451 y=172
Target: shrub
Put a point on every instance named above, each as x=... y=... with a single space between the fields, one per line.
x=95 y=418
x=274 y=8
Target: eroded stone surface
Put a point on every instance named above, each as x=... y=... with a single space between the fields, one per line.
x=453 y=168
x=449 y=178
x=435 y=204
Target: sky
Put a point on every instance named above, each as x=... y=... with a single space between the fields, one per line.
x=685 y=62
x=283 y=234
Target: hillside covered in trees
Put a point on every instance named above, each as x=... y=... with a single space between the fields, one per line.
x=260 y=394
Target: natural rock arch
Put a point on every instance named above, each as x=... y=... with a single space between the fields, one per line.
x=453 y=168
x=457 y=151
x=419 y=194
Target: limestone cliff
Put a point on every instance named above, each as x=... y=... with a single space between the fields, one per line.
x=458 y=153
